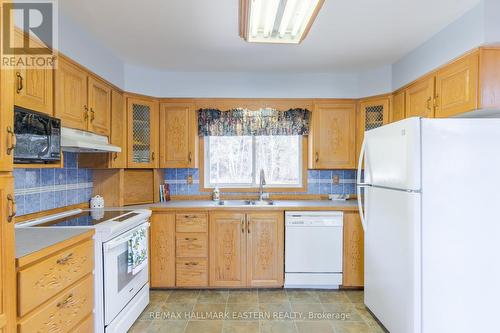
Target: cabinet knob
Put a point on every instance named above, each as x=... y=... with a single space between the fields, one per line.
x=65 y=302
x=64 y=260
x=153 y=156
x=12 y=207
x=190 y=157
x=242 y=226
x=20 y=86
x=316 y=157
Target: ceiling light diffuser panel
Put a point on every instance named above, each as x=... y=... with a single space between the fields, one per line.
x=277 y=21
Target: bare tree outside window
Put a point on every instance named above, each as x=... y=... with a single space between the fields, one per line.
x=235 y=161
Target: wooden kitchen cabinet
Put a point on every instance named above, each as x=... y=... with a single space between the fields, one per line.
x=99 y=99
x=178 y=135
x=33 y=87
x=142 y=137
x=456 y=87
x=265 y=249
x=227 y=249
x=353 y=275
x=162 y=241
x=398 y=106
x=71 y=95
x=372 y=113
x=7 y=260
x=419 y=98
x=332 y=144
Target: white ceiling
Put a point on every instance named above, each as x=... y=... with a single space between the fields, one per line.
x=202 y=35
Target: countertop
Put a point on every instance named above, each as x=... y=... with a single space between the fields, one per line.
x=33 y=239
x=292 y=205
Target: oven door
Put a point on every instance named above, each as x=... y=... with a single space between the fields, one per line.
x=119 y=285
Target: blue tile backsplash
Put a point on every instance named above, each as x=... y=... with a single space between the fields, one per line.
x=318 y=182
x=48 y=188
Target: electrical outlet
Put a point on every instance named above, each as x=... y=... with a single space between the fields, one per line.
x=336 y=179
x=189 y=180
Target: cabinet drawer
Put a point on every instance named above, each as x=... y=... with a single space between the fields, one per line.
x=86 y=326
x=191 y=273
x=45 y=279
x=64 y=312
x=191 y=245
x=191 y=222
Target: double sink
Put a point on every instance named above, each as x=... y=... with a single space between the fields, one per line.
x=245 y=203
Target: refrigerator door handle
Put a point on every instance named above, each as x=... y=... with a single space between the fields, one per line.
x=360 y=185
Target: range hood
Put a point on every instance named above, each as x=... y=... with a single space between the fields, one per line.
x=77 y=141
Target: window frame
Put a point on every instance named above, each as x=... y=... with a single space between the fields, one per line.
x=241 y=187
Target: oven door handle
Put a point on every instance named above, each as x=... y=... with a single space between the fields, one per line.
x=123 y=238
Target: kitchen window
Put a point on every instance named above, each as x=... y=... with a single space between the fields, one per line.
x=236 y=161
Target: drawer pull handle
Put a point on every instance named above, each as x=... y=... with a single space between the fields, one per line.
x=12 y=207
x=19 y=82
x=189 y=217
x=190 y=157
x=85 y=112
x=191 y=264
x=92 y=115
x=190 y=239
x=68 y=299
x=64 y=260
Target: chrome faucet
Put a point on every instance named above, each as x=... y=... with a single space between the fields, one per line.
x=261 y=184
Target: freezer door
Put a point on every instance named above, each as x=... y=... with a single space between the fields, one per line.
x=392 y=155
x=392 y=258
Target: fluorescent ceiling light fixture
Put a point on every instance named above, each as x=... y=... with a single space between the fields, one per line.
x=277 y=21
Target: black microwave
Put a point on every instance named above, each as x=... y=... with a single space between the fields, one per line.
x=38 y=137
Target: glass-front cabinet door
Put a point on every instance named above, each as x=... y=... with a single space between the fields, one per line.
x=143 y=136
x=373 y=113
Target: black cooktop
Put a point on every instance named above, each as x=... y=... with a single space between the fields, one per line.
x=90 y=218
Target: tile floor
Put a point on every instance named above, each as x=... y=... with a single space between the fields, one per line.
x=259 y=311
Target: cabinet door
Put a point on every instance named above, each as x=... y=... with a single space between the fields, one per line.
x=227 y=250
x=419 y=98
x=142 y=139
x=334 y=137
x=265 y=249
x=398 y=106
x=7 y=263
x=178 y=135
x=33 y=86
x=372 y=114
x=7 y=137
x=99 y=107
x=456 y=87
x=353 y=275
x=162 y=240
x=118 y=130
x=71 y=95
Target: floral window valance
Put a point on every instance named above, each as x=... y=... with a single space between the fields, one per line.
x=239 y=122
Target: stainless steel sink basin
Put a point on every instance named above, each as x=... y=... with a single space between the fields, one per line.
x=233 y=203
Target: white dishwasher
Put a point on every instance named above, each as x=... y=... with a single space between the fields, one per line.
x=313 y=249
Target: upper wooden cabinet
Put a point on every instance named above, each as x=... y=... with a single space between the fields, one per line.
x=7 y=261
x=332 y=144
x=420 y=98
x=265 y=249
x=99 y=99
x=227 y=249
x=398 y=106
x=71 y=95
x=456 y=87
x=178 y=135
x=142 y=138
x=82 y=101
x=33 y=87
x=118 y=129
x=372 y=113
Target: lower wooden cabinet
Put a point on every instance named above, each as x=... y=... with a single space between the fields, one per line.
x=162 y=245
x=247 y=250
x=353 y=275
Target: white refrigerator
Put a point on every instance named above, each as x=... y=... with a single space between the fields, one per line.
x=432 y=224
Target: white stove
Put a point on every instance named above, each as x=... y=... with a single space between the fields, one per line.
x=120 y=296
